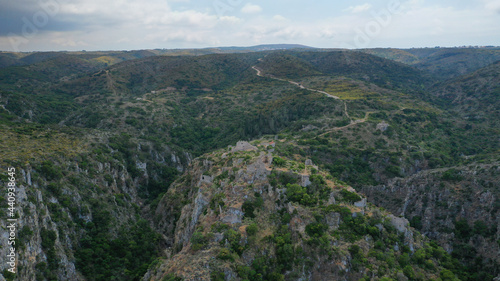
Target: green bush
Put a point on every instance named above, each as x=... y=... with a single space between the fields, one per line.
x=462 y=229
x=171 y=277
x=50 y=171
x=416 y=222
x=316 y=229
x=225 y=254
x=234 y=239
x=447 y=275
x=409 y=272
x=297 y=193
x=252 y=229
x=249 y=206
x=279 y=162
x=481 y=228
x=217 y=276
x=55 y=189
x=350 y=197
x=452 y=175
x=217 y=202
x=393 y=171
x=198 y=241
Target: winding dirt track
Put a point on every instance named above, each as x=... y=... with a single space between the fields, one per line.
x=352 y=123
x=259 y=73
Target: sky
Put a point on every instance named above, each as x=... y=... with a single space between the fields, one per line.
x=73 y=25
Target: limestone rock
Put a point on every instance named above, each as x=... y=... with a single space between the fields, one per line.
x=333 y=220
x=304 y=180
x=401 y=224
x=233 y=215
x=383 y=126
x=243 y=146
x=361 y=203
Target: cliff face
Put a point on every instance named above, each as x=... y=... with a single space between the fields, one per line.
x=33 y=226
x=70 y=208
x=251 y=215
x=458 y=207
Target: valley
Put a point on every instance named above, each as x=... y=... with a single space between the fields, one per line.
x=266 y=163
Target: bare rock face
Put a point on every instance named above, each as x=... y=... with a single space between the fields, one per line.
x=436 y=199
x=333 y=220
x=258 y=170
x=383 y=126
x=401 y=224
x=243 y=146
x=233 y=215
x=304 y=180
x=360 y=204
x=191 y=214
x=205 y=179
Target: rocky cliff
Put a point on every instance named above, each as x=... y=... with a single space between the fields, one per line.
x=248 y=214
x=458 y=207
x=72 y=206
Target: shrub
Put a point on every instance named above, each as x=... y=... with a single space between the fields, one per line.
x=171 y=277
x=225 y=254
x=217 y=276
x=250 y=206
x=409 y=272
x=55 y=189
x=297 y=193
x=252 y=229
x=462 y=229
x=216 y=201
x=279 y=162
x=233 y=238
x=481 y=228
x=198 y=241
x=451 y=175
x=316 y=229
x=350 y=197
x=416 y=222
x=50 y=171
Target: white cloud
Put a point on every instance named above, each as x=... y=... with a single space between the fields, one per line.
x=136 y=24
x=250 y=8
x=189 y=18
x=492 y=5
x=279 y=18
x=230 y=19
x=359 y=8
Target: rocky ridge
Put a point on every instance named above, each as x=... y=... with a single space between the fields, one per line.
x=252 y=215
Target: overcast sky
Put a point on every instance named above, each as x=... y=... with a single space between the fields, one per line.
x=43 y=25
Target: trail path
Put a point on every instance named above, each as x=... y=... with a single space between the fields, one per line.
x=353 y=122
x=110 y=81
x=259 y=73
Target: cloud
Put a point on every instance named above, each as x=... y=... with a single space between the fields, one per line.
x=359 y=8
x=251 y=9
x=492 y=5
x=279 y=18
x=230 y=19
x=139 y=24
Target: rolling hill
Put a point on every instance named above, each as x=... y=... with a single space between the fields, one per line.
x=253 y=165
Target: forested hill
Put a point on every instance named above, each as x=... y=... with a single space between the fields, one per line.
x=137 y=156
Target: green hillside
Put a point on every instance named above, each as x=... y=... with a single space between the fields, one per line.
x=127 y=173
